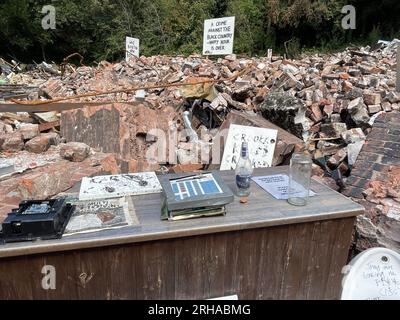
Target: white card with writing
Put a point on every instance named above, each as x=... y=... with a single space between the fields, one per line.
x=261 y=143
x=277 y=185
x=218 y=36
x=132 y=47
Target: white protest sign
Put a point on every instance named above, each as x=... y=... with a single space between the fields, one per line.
x=373 y=275
x=261 y=144
x=218 y=36
x=132 y=47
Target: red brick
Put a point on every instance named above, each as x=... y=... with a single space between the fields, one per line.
x=353 y=192
x=357 y=182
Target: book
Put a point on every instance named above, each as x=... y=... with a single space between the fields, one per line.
x=196 y=195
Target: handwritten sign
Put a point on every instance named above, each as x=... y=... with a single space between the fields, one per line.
x=374 y=275
x=132 y=47
x=218 y=36
x=261 y=143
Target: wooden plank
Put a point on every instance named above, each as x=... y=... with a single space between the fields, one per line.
x=16 y=276
x=215 y=255
x=13 y=107
x=124 y=273
x=157 y=265
x=340 y=245
x=91 y=275
x=296 y=262
x=271 y=270
x=188 y=275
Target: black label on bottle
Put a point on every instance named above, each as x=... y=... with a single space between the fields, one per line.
x=243 y=182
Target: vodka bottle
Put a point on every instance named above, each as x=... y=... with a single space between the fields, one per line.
x=243 y=172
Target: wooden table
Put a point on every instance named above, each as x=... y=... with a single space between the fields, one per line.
x=266 y=249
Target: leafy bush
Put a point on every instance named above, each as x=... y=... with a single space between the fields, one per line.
x=97 y=28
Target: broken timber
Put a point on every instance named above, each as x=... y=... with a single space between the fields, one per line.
x=13 y=107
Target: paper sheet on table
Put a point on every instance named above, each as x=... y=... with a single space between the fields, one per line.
x=98 y=215
x=277 y=185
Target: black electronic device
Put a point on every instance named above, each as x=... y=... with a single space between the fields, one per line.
x=35 y=220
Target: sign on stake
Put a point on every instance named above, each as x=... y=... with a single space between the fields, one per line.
x=132 y=47
x=218 y=36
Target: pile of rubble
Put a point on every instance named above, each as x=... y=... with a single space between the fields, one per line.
x=329 y=102
x=374 y=183
x=25 y=175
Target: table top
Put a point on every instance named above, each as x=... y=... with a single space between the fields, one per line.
x=262 y=210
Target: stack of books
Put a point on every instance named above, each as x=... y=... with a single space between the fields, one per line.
x=193 y=196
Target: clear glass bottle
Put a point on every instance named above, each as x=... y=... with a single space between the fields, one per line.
x=299 y=179
x=243 y=172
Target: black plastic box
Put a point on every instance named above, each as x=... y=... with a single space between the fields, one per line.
x=37 y=220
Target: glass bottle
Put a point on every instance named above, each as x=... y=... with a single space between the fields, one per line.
x=299 y=179
x=243 y=172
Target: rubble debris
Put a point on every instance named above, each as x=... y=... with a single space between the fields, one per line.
x=74 y=151
x=128 y=130
x=52 y=176
x=28 y=130
x=11 y=142
x=281 y=107
x=374 y=183
x=18 y=91
x=184 y=168
x=329 y=101
x=39 y=144
x=321 y=93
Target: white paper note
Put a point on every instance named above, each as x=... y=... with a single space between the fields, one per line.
x=277 y=185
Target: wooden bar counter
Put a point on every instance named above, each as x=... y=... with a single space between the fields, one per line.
x=265 y=249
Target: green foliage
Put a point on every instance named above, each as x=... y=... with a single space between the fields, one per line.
x=374 y=35
x=20 y=25
x=293 y=48
x=97 y=28
x=249 y=31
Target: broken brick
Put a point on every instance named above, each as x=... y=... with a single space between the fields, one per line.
x=74 y=151
x=12 y=142
x=38 y=144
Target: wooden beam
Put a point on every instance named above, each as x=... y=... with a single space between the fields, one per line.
x=13 y=107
